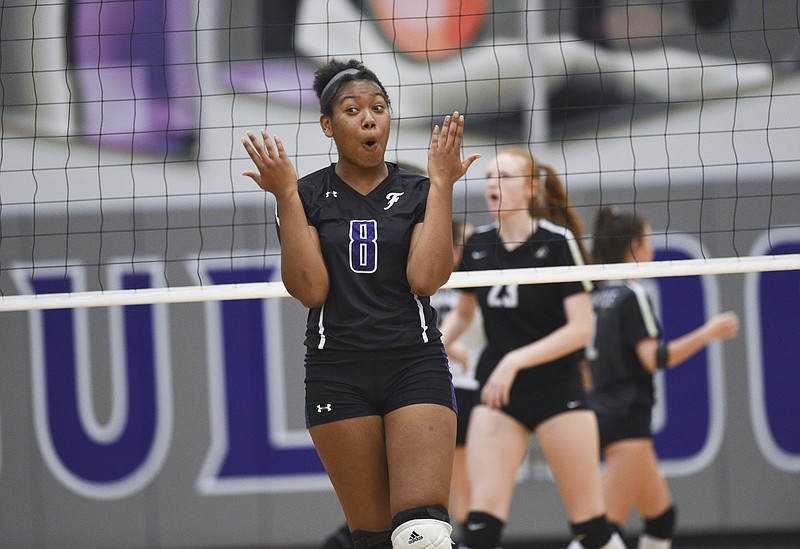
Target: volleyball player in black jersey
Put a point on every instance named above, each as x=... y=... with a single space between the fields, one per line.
x=628 y=349
x=529 y=371
x=462 y=357
x=363 y=245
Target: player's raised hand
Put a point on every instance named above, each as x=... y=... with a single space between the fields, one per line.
x=444 y=157
x=276 y=173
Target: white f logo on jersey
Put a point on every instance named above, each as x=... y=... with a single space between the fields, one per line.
x=392 y=198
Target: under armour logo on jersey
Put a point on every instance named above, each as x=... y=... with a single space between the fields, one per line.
x=321 y=408
x=392 y=198
x=542 y=252
x=331 y=193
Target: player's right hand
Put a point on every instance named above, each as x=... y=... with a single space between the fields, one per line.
x=276 y=173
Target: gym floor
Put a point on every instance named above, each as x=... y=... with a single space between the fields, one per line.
x=787 y=540
x=754 y=540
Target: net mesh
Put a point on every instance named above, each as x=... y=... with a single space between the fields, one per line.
x=120 y=156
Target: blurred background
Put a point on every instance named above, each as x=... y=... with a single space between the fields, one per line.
x=181 y=425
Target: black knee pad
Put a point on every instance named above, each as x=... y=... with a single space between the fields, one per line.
x=437 y=512
x=341 y=539
x=662 y=526
x=593 y=533
x=482 y=531
x=372 y=540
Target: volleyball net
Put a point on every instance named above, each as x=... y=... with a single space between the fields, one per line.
x=121 y=160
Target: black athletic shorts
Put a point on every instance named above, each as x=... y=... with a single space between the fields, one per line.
x=633 y=424
x=347 y=384
x=466 y=399
x=533 y=405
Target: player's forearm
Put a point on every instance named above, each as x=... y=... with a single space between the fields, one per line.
x=303 y=269
x=430 y=260
x=560 y=343
x=576 y=334
x=686 y=346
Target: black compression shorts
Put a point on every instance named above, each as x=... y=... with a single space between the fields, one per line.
x=635 y=423
x=466 y=400
x=535 y=405
x=347 y=384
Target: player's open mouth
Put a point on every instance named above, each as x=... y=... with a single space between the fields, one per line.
x=371 y=144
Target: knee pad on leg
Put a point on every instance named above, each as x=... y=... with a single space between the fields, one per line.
x=614 y=542
x=422 y=534
x=596 y=533
x=341 y=539
x=482 y=531
x=661 y=526
x=372 y=540
x=422 y=528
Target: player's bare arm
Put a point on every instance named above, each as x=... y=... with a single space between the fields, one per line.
x=429 y=263
x=303 y=269
x=720 y=327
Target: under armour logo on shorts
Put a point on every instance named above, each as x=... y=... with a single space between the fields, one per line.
x=321 y=408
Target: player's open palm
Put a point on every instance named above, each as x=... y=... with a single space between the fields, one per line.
x=276 y=173
x=444 y=157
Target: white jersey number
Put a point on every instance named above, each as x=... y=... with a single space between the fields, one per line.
x=503 y=297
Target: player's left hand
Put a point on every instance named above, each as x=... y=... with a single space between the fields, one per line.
x=444 y=157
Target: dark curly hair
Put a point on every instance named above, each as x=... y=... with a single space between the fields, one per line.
x=325 y=74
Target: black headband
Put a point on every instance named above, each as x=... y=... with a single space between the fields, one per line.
x=336 y=77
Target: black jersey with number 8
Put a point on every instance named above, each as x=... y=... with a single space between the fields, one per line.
x=365 y=242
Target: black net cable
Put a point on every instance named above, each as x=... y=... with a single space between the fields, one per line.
x=140 y=166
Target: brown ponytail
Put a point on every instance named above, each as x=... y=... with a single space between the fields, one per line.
x=554 y=204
